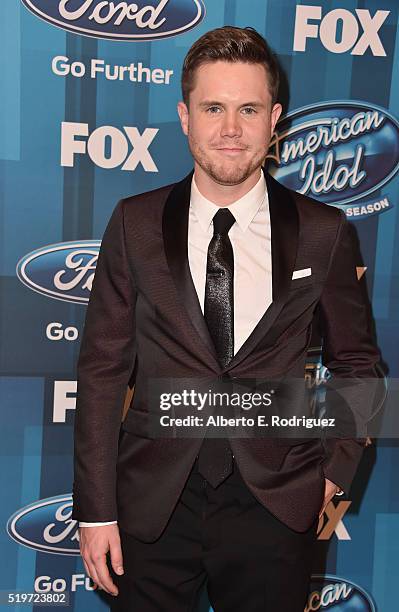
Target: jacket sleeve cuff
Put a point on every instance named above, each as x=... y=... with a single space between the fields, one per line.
x=342 y=460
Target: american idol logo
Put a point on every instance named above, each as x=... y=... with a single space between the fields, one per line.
x=126 y=21
x=341 y=153
x=63 y=271
x=338 y=594
x=47 y=526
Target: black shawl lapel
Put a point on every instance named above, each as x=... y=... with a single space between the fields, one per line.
x=284 y=236
x=175 y=233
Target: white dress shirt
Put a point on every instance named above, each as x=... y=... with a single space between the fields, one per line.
x=250 y=237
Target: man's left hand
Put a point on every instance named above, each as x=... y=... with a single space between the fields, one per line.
x=329 y=491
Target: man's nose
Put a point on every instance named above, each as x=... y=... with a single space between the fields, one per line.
x=231 y=125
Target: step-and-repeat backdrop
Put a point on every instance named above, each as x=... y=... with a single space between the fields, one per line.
x=88 y=115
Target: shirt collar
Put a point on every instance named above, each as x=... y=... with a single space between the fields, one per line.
x=244 y=209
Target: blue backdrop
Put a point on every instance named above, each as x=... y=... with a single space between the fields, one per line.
x=87 y=116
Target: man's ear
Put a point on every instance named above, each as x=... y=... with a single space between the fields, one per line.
x=183 y=116
x=276 y=112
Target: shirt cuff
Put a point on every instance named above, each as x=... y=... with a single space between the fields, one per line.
x=83 y=524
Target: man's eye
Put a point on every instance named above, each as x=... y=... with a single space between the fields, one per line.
x=213 y=109
x=248 y=110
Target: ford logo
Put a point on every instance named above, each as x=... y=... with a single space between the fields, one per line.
x=63 y=271
x=338 y=594
x=47 y=526
x=120 y=20
x=338 y=152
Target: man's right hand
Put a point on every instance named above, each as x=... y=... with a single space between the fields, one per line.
x=95 y=542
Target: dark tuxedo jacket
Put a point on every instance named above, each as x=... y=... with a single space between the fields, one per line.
x=144 y=321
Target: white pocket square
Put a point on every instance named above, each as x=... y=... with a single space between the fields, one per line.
x=301 y=273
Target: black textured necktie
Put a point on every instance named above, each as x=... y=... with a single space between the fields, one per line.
x=215 y=461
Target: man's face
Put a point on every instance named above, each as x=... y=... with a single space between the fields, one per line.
x=230 y=120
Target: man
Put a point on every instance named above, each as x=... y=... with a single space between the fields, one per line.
x=197 y=280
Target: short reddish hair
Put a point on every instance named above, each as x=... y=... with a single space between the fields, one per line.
x=230 y=44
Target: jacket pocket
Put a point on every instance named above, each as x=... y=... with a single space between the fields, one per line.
x=294 y=441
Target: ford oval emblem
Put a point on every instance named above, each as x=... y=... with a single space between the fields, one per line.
x=63 y=271
x=338 y=152
x=339 y=594
x=47 y=526
x=125 y=21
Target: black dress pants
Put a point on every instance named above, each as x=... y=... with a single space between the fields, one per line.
x=249 y=560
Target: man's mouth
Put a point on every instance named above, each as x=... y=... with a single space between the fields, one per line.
x=230 y=149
